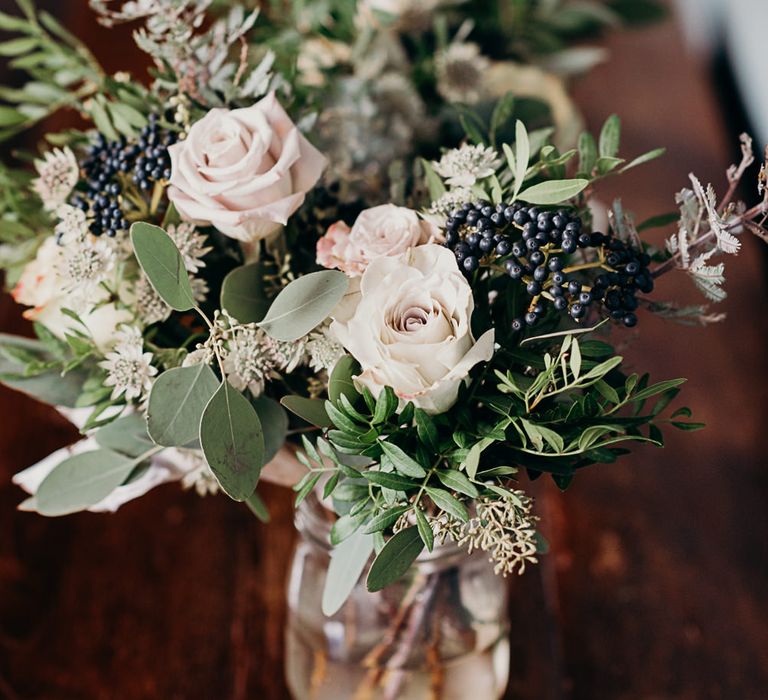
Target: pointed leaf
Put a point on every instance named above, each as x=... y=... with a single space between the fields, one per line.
x=448 y=503
x=394 y=559
x=553 y=191
x=425 y=531
x=348 y=561
x=402 y=462
x=457 y=481
x=311 y=410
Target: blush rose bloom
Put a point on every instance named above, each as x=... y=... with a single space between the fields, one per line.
x=409 y=328
x=244 y=171
x=378 y=232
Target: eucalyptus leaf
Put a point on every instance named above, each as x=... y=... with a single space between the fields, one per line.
x=304 y=304
x=126 y=435
x=232 y=442
x=340 y=381
x=163 y=264
x=311 y=410
x=258 y=507
x=84 y=480
x=274 y=425
x=176 y=403
x=243 y=294
x=348 y=560
x=394 y=560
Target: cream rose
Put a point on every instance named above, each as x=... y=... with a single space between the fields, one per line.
x=244 y=171
x=409 y=328
x=378 y=232
x=40 y=287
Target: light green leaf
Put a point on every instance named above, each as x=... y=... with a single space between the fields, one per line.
x=607 y=391
x=425 y=531
x=553 y=191
x=348 y=561
x=386 y=519
x=456 y=481
x=176 y=403
x=434 y=183
x=610 y=135
x=386 y=405
x=232 y=442
x=311 y=410
x=390 y=480
x=162 y=263
x=16 y=47
x=402 y=462
x=304 y=304
x=394 y=559
x=645 y=158
x=84 y=480
x=242 y=293
x=126 y=435
x=448 y=503
x=522 y=156
x=587 y=153
x=575 y=360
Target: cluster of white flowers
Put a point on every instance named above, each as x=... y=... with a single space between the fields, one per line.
x=58 y=174
x=464 y=166
x=83 y=267
x=129 y=368
x=450 y=200
x=323 y=350
x=191 y=244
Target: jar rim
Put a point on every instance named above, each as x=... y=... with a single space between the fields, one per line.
x=313 y=521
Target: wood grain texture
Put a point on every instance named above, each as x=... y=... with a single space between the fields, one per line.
x=656 y=584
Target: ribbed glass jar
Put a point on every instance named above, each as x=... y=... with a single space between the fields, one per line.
x=440 y=633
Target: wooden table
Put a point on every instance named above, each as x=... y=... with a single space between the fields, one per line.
x=657 y=583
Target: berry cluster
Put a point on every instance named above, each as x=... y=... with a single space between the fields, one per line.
x=534 y=246
x=108 y=167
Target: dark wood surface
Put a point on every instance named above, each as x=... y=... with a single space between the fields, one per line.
x=657 y=583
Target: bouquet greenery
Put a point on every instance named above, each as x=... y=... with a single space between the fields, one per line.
x=220 y=286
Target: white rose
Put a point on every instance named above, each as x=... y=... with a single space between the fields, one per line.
x=40 y=287
x=244 y=171
x=378 y=232
x=410 y=328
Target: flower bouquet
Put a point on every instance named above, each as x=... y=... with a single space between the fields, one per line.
x=403 y=344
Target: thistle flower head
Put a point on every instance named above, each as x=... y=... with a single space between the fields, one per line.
x=460 y=70
x=191 y=245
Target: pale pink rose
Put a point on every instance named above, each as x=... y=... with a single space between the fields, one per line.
x=244 y=171
x=409 y=327
x=379 y=232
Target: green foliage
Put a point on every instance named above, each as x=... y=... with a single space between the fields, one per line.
x=176 y=403
x=243 y=294
x=394 y=559
x=163 y=264
x=348 y=561
x=233 y=442
x=304 y=304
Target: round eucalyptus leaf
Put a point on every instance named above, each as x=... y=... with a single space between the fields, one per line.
x=304 y=304
x=176 y=403
x=274 y=425
x=126 y=435
x=232 y=442
x=242 y=293
x=162 y=263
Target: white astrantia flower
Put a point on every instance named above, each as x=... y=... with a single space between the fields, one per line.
x=72 y=224
x=460 y=68
x=149 y=304
x=464 y=166
x=323 y=350
x=58 y=174
x=288 y=355
x=250 y=358
x=191 y=245
x=129 y=368
x=83 y=266
x=450 y=200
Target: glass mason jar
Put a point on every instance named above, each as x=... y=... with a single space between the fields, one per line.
x=439 y=633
